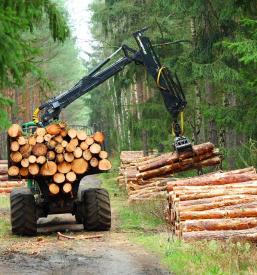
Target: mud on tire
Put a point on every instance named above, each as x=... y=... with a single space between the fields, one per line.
x=96 y=210
x=23 y=212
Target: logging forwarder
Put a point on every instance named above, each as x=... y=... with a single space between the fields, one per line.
x=168 y=84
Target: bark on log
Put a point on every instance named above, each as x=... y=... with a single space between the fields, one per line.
x=79 y=166
x=219 y=224
x=95 y=148
x=53 y=129
x=16 y=157
x=218 y=214
x=54 y=188
x=59 y=178
x=64 y=167
x=67 y=187
x=103 y=155
x=104 y=165
x=39 y=149
x=48 y=169
x=13 y=171
x=81 y=135
x=33 y=169
x=15 y=130
x=15 y=146
x=214 y=179
x=71 y=176
x=99 y=137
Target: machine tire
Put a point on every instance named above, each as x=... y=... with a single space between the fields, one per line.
x=23 y=212
x=96 y=210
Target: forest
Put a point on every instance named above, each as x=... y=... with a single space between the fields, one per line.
x=210 y=45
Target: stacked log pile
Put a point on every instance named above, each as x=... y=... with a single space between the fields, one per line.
x=220 y=205
x=6 y=186
x=146 y=177
x=57 y=153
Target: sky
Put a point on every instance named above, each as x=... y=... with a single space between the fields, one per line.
x=80 y=15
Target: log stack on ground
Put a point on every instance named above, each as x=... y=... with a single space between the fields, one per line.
x=6 y=186
x=60 y=154
x=220 y=205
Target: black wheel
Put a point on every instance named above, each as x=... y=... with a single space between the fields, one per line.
x=78 y=217
x=23 y=212
x=96 y=210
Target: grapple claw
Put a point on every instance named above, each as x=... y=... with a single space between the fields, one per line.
x=182 y=144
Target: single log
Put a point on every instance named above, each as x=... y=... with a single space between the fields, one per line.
x=87 y=155
x=83 y=145
x=24 y=172
x=25 y=163
x=59 y=178
x=94 y=162
x=58 y=139
x=48 y=169
x=70 y=147
x=32 y=159
x=103 y=155
x=41 y=160
x=174 y=157
x=79 y=166
x=51 y=144
x=59 y=158
x=64 y=133
x=64 y=143
x=64 y=167
x=3 y=161
x=39 y=149
x=32 y=140
x=69 y=157
x=15 y=146
x=4 y=177
x=236 y=235
x=81 y=135
x=89 y=141
x=48 y=137
x=53 y=129
x=95 y=148
x=67 y=187
x=218 y=214
x=214 y=179
x=74 y=142
x=40 y=139
x=40 y=131
x=99 y=137
x=50 y=155
x=15 y=130
x=59 y=149
x=71 y=176
x=219 y=224
x=104 y=165
x=54 y=188
x=22 y=140
x=13 y=171
x=33 y=169
x=78 y=152
x=72 y=133
x=3 y=170
x=25 y=150
x=16 y=157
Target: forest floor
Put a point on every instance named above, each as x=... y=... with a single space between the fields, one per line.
x=138 y=243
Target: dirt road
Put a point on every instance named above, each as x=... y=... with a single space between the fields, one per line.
x=112 y=254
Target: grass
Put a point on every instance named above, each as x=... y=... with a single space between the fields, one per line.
x=146 y=226
x=4 y=216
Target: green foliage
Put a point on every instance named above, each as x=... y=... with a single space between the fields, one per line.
x=4 y=102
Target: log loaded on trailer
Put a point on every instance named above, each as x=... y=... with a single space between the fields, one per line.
x=54 y=181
